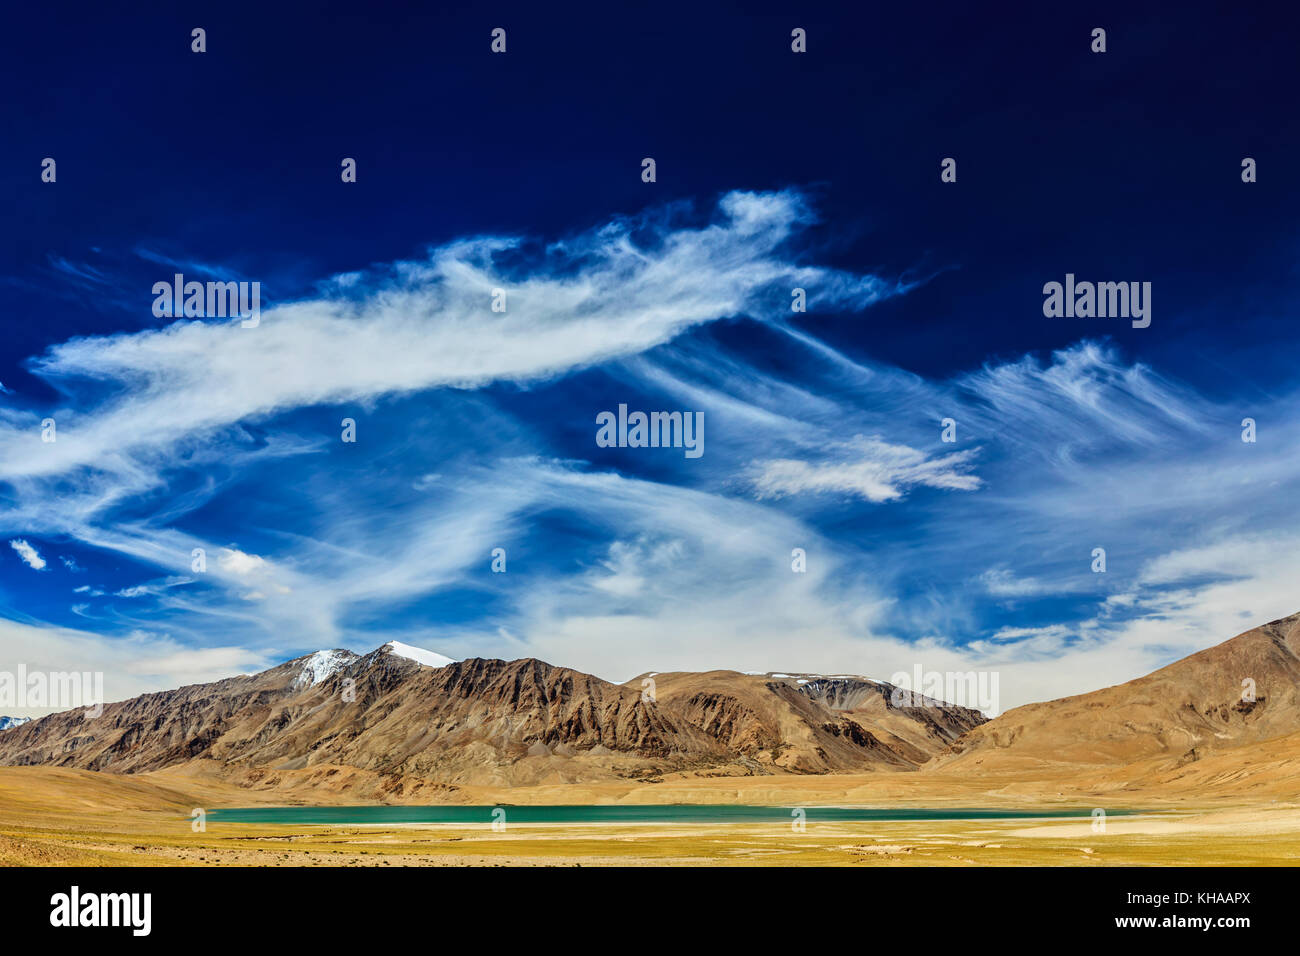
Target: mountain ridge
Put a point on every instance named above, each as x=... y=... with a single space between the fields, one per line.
x=476 y=721
x=390 y=727
x=1242 y=691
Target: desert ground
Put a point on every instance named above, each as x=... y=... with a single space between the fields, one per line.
x=52 y=817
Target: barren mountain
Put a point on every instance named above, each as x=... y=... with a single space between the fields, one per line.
x=1238 y=693
x=809 y=723
x=405 y=724
x=422 y=721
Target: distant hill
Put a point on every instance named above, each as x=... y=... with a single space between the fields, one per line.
x=1190 y=710
x=811 y=723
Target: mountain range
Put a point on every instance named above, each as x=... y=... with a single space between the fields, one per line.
x=402 y=723
x=416 y=720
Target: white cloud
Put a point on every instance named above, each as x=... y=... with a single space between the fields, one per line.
x=593 y=297
x=1000 y=582
x=159 y=661
x=237 y=562
x=180 y=396
x=152 y=587
x=139 y=663
x=30 y=556
x=870 y=468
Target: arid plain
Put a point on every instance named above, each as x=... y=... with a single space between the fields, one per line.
x=83 y=818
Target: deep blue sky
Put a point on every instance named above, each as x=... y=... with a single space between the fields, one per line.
x=1074 y=433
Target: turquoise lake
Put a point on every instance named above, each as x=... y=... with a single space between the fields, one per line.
x=670 y=813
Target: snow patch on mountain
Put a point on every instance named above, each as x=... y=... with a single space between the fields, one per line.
x=810 y=678
x=418 y=654
x=322 y=666
x=8 y=722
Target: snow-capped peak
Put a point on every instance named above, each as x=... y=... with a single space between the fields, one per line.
x=418 y=654
x=321 y=666
x=7 y=722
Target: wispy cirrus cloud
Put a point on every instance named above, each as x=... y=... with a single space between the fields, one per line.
x=163 y=415
x=152 y=588
x=1000 y=582
x=868 y=468
x=429 y=324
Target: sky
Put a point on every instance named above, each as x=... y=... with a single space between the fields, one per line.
x=476 y=429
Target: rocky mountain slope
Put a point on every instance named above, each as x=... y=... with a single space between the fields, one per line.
x=416 y=719
x=809 y=723
x=1236 y=694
